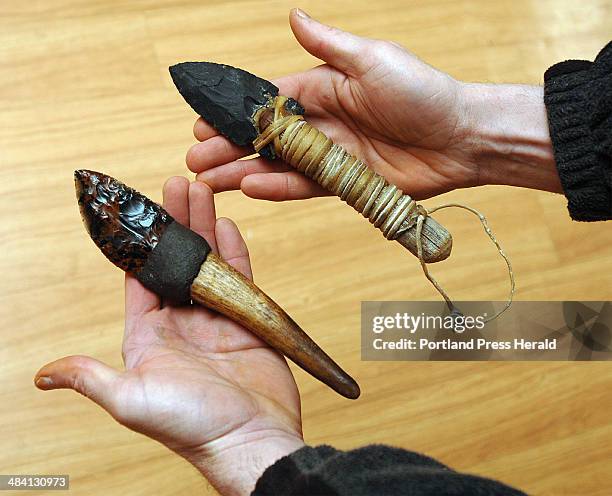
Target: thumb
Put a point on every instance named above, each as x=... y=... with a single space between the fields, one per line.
x=83 y=374
x=340 y=49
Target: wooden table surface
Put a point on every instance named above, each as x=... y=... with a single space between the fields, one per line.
x=85 y=84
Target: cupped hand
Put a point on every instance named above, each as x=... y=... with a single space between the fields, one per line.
x=194 y=380
x=401 y=116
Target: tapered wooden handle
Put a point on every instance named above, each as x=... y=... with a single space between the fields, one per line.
x=318 y=157
x=222 y=288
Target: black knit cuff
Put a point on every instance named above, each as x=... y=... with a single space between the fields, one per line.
x=578 y=98
x=373 y=470
x=369 y=470
x=292 y=472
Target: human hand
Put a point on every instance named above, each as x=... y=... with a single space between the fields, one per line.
x=194 y=380
x=418 y=127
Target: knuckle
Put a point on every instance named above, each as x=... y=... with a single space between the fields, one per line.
x=242 y=169
x=383 y=48
x=228 y=148
x=78 y=383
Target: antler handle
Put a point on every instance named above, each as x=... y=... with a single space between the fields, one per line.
x=220 y=287
x=311 y=152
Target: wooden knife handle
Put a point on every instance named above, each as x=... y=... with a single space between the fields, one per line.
x=311 y=152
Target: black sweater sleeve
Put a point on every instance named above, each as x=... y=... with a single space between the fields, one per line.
x=373 y=470
x=578 y=98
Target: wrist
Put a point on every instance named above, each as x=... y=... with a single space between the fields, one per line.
x=234 y=463
x=506 y=133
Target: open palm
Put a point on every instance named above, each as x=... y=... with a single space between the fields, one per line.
x=400 y=115
x=194 y=380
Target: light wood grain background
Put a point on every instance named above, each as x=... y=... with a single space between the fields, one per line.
x=85 y=84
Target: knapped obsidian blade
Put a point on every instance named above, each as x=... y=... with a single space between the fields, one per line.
x=123 y=223
x=225 y=96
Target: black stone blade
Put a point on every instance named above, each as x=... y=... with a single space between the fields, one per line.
x=226 y=97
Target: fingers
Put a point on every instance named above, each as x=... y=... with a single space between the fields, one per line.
x=202 y=130
x=202 y=212
x=176 y=199
x=232 y=247
x=227 y=177
x=280 y=186
x=261 y=179
x=82 y=374
x=222 y=234
x=340 y=49
x=213 y=152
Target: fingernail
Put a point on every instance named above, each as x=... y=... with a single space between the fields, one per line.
x=302 y=14
x=44 y=382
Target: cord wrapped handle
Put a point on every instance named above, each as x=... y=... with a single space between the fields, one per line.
x=311 y=152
